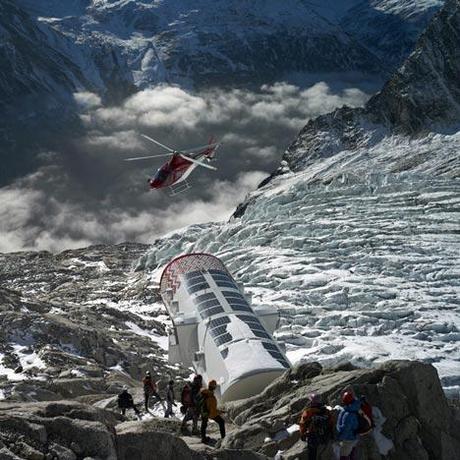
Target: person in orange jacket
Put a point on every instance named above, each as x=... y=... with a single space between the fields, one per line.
x=209 y=411
x=316 y=425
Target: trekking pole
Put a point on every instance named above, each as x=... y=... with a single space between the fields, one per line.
x=227 y=415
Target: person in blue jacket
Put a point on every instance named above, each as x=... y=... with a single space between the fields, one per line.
x=347 y=426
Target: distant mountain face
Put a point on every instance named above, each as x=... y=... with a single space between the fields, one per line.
x=387 y=28
x=425 y=91
x=355 y=237
x=36 y=81
x=222 y=42
x=32 y=70
x=423 y=95
x=50 y=49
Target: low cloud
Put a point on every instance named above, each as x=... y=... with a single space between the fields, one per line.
x=87 y=194
x=32 y=219
x=173 y=108
x=87 y=100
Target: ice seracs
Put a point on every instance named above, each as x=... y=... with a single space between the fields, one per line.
x=216 y=331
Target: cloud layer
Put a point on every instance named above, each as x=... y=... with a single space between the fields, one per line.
x=86 y=194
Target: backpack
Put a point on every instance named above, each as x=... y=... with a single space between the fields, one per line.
x=186 y=396
x=150 y=386
x=320 y=428
x=125 y=400
x=367 y=410
x=365 y=419
x=364 y=423
x=200 y=404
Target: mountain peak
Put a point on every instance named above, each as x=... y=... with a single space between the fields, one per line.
x=426 y=89
x=424 y=94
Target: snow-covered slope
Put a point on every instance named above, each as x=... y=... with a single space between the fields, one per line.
x=32 y=71
x=389 y=28
x=200 y=42
x=355 y=237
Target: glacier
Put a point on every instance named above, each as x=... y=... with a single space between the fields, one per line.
x=363 y=267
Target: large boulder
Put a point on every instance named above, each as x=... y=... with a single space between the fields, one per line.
x=139 y=440
x=157 y=440
x=415 y=420
x=63 y=430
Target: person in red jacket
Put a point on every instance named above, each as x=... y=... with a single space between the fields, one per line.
x=150 y=389
x=316 y=425
x=191 y=394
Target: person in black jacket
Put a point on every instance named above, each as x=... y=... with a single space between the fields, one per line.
x=170 y=399
x=125 y=401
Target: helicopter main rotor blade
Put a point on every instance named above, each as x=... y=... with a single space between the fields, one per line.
x=145 y=158
x=202 y=147
x=169 y=149
x=192 y=160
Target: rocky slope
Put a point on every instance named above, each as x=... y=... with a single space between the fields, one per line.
x=413 y=421
x=78 y=323
x=425 y=93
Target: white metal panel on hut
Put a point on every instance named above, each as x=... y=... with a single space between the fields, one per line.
x=216 y=331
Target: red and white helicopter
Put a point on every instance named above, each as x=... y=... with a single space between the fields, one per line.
x=174 y=172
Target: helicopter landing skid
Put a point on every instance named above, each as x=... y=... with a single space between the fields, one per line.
x=179 y=188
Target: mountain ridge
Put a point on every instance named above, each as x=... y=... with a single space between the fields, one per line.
x=422 y=93
x=117 y=48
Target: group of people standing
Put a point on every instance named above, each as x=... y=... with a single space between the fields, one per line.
x=320 y=425
x=197 y=402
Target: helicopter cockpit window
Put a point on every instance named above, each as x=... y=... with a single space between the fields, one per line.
x=162 y=174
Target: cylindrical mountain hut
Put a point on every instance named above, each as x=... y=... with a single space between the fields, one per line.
x=215 y=329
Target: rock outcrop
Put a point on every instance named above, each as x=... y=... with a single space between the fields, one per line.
x=422 y=95
x=64 y=430
x=70 y=431
x=413 y=418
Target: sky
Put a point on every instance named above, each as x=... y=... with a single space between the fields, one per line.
x=86 y=194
